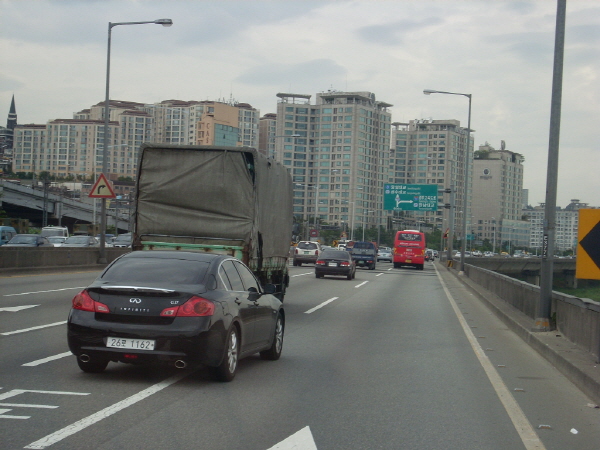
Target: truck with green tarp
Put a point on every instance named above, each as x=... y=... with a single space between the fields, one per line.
x=227 y=200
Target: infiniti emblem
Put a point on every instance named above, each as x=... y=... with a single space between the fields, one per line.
x=135 y=300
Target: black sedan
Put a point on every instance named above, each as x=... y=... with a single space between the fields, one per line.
x=335 y=262
x=28 y=240
x=177 y=308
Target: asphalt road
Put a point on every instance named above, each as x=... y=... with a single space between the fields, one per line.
x=395 y=359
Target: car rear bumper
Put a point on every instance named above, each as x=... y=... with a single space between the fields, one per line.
x=196 y=344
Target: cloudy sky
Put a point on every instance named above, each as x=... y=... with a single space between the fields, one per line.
x=501 y=52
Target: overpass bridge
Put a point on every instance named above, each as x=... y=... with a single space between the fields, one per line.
x=33 y=203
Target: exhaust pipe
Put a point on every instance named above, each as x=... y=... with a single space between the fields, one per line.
x=84 y=358
x=180 y=364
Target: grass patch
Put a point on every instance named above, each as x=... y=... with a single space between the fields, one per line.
x=586 y=292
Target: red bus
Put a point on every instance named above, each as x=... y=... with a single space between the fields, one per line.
x=409 y=249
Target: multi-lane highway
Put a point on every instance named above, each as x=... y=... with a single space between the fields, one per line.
x=395 y=359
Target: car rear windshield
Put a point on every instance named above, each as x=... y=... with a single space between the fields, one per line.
x=363 y=245
x=335 y=254
x=77 y=240
x=153 y=271
x=23 y=240
x=307 y=245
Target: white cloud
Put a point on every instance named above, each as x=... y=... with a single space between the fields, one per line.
x=501 y=52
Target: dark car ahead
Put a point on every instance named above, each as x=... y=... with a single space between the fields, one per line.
x=335 y=262
x=28 y=240
x=122 y=240
x=81 y=241
x=176 y=308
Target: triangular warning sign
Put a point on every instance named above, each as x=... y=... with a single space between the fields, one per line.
x=102 y=188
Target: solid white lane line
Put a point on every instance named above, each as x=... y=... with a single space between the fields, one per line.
x=528 y=435
x=8 y=333
x=361 y=284
x=69 y=430
x=43 y=292
x=48 y=359
x=321 y=305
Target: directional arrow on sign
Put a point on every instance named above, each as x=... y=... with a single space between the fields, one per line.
x=590 y=244
x=17 y=308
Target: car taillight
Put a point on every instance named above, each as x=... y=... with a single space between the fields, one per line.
x=320 y=262
x=317 y=252
x=344 y=263
x=84 y=302
x=297 y=250
x=194 y=307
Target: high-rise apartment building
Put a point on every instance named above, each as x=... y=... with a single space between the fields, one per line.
x=431 y=151
x=498 y=203
x=334 y=150
x=74 y=147
x=267 y=127
x=566 y=222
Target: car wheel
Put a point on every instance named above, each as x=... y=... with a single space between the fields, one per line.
x=299 y=264
x=226 y=370
x=317 y=275
x=349 y=276
x=93 y=365
x=274 y=352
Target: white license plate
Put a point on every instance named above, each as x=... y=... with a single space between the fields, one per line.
x=130 y=344
x=332 y=264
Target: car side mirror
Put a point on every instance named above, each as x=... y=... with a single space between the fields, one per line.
x=270 y=289
x=253 y=294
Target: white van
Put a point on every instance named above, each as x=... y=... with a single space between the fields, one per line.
x=55 y=231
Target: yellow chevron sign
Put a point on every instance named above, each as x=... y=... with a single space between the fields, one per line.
x=587 y=266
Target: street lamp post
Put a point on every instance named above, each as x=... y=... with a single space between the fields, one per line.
x=165 y=23
x=353 y=205
x=494 y=245
x=466 y=189
x=363 y=224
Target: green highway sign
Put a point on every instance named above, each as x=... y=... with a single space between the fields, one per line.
x=410 y=197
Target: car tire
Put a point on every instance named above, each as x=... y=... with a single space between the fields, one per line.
x=228 y=367
x=274 y=352
x=93 y=366
x=349 y=276
x=318 y=275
